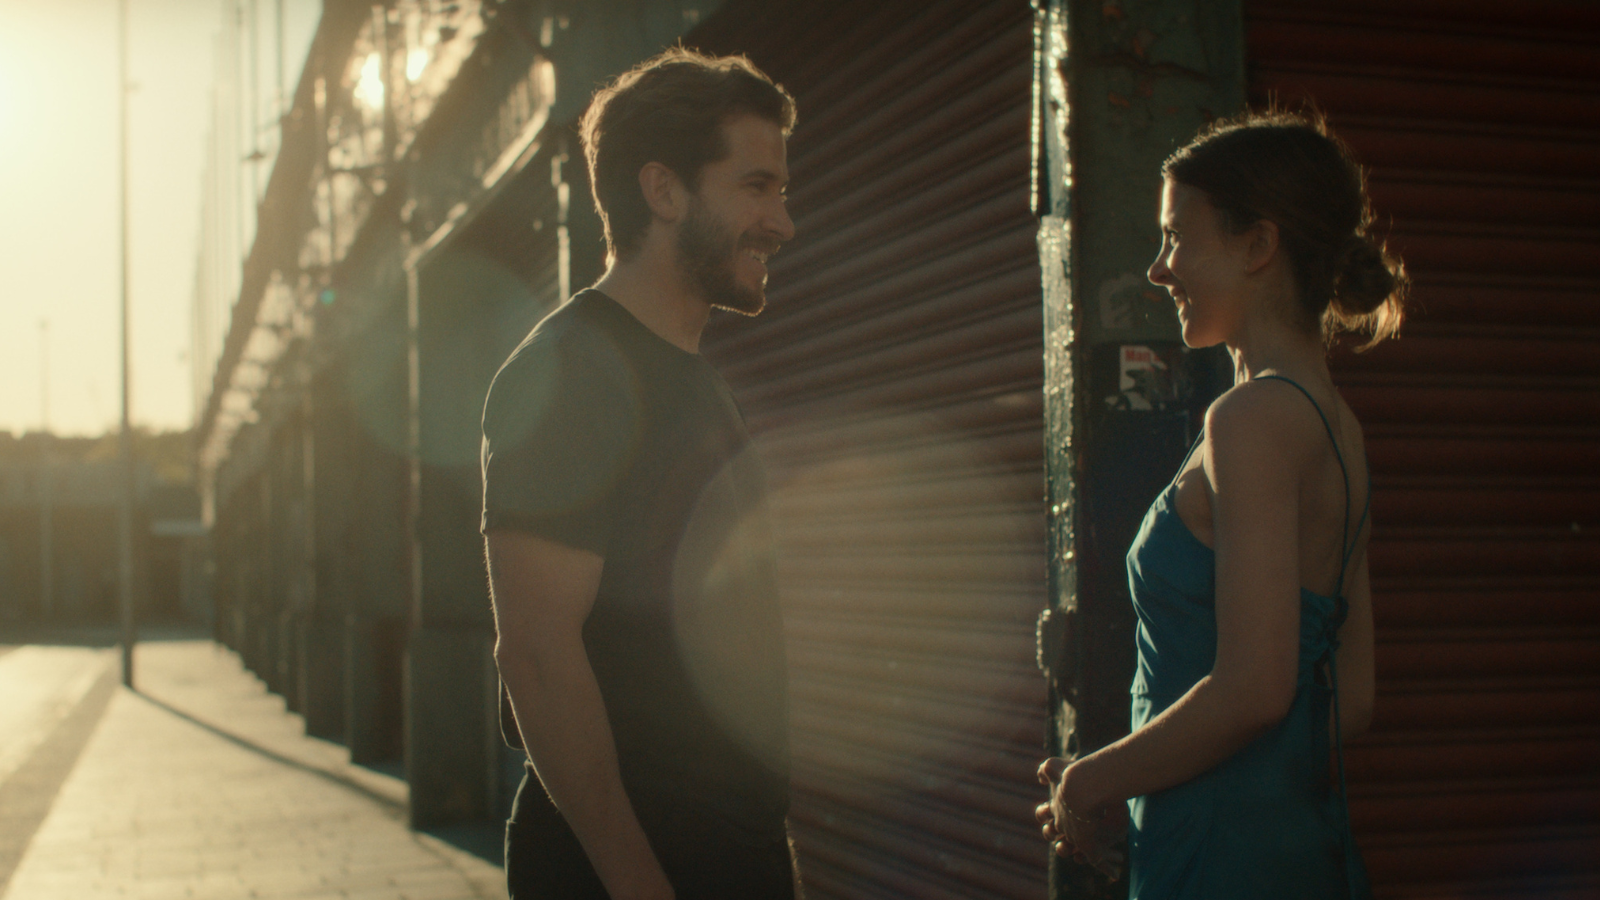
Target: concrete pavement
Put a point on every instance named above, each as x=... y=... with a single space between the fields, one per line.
x=39 y=687
x=199 y=785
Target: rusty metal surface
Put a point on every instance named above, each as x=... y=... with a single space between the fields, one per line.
x=1483 y=425
x=893 y=385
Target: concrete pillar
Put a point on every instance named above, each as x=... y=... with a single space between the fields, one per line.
x=363 y=544
x=321 y=675
x=373 y=654
x=326 y=474
x=452 y=763
x=1121 y=84
x=284 y=522
x=452 y=741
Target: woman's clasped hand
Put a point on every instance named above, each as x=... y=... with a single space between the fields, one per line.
x=1092 y=836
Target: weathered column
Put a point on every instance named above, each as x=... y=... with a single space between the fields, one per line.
x=326 y=485
x=450 y=682
x=286 y=467
x=1121 y=84
x=365 y=541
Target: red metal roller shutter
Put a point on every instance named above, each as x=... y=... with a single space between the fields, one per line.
x=894 y=387
x=1481 y=124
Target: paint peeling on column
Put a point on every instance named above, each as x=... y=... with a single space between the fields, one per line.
x=1060 y=316
x=1036 y=120
x=1056 y=49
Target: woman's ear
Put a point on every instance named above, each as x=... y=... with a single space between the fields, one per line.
x=663 y=191
x=1262 y=247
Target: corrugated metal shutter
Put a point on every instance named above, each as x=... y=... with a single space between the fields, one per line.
x=894 y=388
x=1481 y=124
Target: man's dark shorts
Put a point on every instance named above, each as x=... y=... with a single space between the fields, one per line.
x=704 y=859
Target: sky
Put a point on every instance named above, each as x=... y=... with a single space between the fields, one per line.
x=59 y=238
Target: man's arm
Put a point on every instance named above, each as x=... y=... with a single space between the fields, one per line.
x=542 y=593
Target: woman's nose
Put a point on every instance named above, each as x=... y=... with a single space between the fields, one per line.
x=1159 y=273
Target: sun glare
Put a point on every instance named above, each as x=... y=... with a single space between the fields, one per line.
x=369 y=89
x=416 y=63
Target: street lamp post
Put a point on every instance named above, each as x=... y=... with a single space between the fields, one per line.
x=125 y=439
x=46 y=481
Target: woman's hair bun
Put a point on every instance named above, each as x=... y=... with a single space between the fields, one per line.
x=1365 y=277
x=1369 y=291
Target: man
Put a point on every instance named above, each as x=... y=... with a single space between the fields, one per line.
x=630 y=561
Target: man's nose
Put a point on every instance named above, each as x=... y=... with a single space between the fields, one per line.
x=782 y=225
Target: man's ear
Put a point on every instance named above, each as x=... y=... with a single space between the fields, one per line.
x=1263 y=246
x=663 y=191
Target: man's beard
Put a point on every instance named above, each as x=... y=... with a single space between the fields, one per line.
x=707 y=253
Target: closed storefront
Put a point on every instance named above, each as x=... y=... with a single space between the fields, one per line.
x=894 y=386
x=1480 y=123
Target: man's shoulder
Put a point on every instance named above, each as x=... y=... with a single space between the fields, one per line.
x=571 y=342
x=571 y=323
x=567 y=369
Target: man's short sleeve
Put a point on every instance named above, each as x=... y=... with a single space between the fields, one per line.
x=560 y=428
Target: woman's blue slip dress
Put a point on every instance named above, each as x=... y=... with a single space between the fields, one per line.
x=1267 y=822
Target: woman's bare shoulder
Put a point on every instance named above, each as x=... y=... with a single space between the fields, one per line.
x=1264 y=417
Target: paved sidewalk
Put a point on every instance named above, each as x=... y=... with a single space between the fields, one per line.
x=201 y=786
x=39 y=688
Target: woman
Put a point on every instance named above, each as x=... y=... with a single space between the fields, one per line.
x=1249 y=573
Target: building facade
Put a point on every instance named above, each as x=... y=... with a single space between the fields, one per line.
x=964 y=391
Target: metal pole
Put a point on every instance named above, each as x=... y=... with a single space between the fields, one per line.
x=256 y=155
x=236 y=151
x=282 y=109
x=125 y=441
x=47 y=572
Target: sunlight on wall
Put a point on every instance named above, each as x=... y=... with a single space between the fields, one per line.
x=416 y=63
x=369 y=90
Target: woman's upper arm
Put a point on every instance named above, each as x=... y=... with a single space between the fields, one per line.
x=1253 y=465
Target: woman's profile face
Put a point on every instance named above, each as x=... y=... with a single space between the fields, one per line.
x=1201 y=265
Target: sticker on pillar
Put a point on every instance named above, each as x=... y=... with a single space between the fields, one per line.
x=1118 y=300
x=1147 y=380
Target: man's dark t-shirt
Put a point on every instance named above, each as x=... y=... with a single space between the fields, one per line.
x=600 y=435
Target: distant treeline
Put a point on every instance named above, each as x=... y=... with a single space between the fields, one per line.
x=169 y=453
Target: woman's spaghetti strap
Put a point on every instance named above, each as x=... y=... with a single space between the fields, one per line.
x=1347 y=541
x=1346 y=553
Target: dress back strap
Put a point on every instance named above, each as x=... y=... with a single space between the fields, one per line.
x=1347 y=541
x=1347 y=549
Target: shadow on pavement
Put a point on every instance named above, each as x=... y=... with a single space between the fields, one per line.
x=485 y=840
x=28 y=792
x=387 y=803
